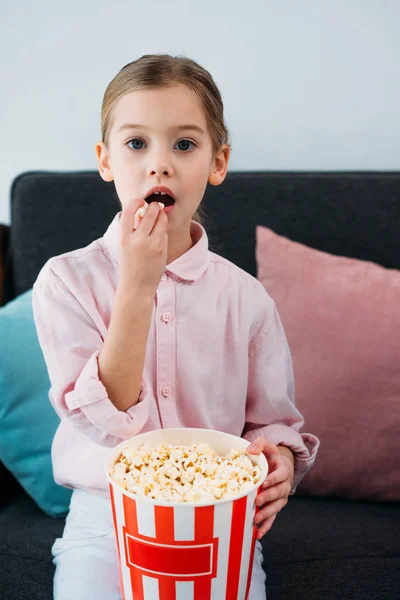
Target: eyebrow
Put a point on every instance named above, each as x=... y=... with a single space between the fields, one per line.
x=173 y=128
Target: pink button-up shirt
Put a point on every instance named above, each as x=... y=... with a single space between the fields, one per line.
x=216 y=357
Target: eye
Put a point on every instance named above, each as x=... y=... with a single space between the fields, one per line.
x=136 y=140
x=184 y=142
x=137 y=144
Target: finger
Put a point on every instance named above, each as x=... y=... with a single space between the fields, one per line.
x=136 y=220
x=262 y=445
x=148 y=221
x=265 y=527
x=161 y=224
x=140 y=214
x=253 y=449
x=274 y=464
x=274 y=460
x=127 y=216
x=270 y=510
x=278 y=491
x=256 y=446
x=275 y=477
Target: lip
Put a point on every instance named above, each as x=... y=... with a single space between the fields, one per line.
x=167 y=209
x=160 y=188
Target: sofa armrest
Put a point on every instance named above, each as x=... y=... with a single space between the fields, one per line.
x=8 y=485
x=4 y=239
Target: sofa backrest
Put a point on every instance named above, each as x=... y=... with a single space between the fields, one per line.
x=344 y=213
x=4 y=237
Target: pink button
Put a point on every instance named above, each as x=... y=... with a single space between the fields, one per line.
x=164 y=277
x=166 y=391
x=166 y=317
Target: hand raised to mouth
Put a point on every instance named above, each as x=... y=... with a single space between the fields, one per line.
x=139 y=214
x=143 y=246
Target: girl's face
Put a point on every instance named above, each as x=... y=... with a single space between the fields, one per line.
x=160 y=137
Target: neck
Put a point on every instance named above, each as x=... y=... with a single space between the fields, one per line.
x=178 y=246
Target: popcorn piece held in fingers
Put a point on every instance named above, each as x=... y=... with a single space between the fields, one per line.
x=139 y=214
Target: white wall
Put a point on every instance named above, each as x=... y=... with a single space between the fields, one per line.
x=307 y=84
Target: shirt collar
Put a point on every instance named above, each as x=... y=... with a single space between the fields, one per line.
x=190 y=266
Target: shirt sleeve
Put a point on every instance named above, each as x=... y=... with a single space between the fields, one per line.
x=270 y=407
x=71 y=344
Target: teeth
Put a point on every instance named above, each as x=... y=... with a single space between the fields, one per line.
x=162 y=193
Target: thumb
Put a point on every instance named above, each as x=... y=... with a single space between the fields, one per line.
x=252 y=448
x=256 y=446
x=128 y=220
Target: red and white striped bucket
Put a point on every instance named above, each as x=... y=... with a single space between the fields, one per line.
x=184 y=551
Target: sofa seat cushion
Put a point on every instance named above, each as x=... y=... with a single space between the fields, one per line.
x=317 y=548
x=330 y=549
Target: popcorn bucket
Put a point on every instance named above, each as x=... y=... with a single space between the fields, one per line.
x=186 y=550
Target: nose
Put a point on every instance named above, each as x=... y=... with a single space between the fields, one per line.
x=159 y=164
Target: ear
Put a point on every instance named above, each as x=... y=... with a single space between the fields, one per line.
x=103 y=159
x=220 y=165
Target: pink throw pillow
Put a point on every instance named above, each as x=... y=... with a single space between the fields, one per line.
x=342 y=320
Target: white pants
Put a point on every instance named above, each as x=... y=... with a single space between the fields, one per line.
x=86 y=555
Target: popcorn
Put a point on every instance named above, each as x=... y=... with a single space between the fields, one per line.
x=139 y=214
x=185 y=473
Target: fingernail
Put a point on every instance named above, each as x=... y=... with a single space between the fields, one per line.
x=251 y=447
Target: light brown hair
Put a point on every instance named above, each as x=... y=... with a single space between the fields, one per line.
x=163 y=70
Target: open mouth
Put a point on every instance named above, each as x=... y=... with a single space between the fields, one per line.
x=166 y=199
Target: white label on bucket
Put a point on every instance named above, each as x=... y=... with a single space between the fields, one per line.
x=150 y=587
x=119 y=511
x=145 y=518
x=184 y=590
x=222 y=530
x=184 y=523
x=248 y=528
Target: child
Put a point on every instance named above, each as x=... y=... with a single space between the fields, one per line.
x=147 y=328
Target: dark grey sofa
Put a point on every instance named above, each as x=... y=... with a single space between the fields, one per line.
x=318 y=548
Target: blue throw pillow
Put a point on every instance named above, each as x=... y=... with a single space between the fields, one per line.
x=27 y=419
